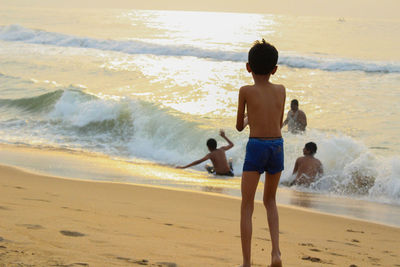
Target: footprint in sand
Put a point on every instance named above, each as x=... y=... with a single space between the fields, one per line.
x=262 y=238
x=312 y=259
x=37 y=199
x=166 y=264
x=354 y=231
x=306 y=244
x=31 y=226
x=351 y=244
x=71 y=233
x=336 y=254
x=140 y=262
x=68 y=208
x=147 y=262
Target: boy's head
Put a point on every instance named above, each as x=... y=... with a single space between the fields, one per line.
x=262 y=58
x=310 y=149
x=211 y=144
x=294 y=105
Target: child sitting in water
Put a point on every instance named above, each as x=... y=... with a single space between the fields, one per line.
x=217 y=157
x=307 y=168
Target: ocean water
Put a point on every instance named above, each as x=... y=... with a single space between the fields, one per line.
x=153 y=86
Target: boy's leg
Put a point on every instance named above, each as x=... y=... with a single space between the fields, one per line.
x=249 y=186
x=270 y=187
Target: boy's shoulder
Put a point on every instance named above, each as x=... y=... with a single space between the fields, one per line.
x=300 y=158
x=274 y=86
x=215 y=151
x=318 y=161
x=279 y=87
x=246 y=87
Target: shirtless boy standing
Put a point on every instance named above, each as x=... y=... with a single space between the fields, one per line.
x=265 y=104
x=307 y=168
x=217 y=157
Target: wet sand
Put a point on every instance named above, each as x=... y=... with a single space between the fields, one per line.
x=49 y=221
x=97 y=167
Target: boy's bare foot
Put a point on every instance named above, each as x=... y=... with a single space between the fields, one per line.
x=276 y=261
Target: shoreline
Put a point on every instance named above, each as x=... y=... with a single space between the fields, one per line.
x=210 y=193
x=50 y=220
x=97 y=167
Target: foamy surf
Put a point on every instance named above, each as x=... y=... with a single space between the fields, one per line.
x=134 y=129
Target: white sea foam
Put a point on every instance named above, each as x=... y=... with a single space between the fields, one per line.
x=350 y=168
x=79 y=109
x=16 y=33
x=130 y=128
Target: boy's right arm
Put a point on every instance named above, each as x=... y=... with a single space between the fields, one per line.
x=240 y=123
x=222 y=134
x=206 y=157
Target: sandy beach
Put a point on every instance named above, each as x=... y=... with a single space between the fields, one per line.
x=49 y=221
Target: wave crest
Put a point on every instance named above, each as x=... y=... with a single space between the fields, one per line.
x=16 y=33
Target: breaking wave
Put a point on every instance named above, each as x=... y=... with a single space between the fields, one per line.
x=17 y=33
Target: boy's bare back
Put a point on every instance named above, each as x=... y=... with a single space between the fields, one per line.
x=218 y=158
x=265 y=103
x=307 y=169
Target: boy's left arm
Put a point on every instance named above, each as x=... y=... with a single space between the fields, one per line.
x=296 y=167
x=321 y=169
x=303 y=119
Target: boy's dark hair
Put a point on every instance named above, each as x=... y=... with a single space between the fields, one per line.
x=212 y=144
x=262 y=58
x=294 y=101
x=312 y=147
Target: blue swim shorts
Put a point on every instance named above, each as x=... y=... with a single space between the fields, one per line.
x=264 y=155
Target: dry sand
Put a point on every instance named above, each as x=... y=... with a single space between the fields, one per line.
x=48 y=221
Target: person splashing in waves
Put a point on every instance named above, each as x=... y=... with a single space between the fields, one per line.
x=307 y=168
x=265 y=104
x=296 y=119
x=217 y=156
